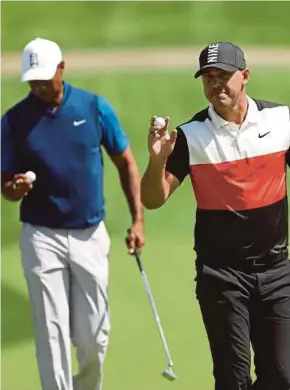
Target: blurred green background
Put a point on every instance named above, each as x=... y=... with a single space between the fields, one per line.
x=81 y=24
x=135 y=357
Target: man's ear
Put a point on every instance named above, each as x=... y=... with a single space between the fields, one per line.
x=246 y=76
x=61 y=67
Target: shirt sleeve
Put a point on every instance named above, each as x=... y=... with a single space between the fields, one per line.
x=114 y=138
x=8 y=163
x=178 y=162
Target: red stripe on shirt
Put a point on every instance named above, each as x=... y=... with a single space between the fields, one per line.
x=241 y=184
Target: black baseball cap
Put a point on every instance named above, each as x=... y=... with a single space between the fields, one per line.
x=221 y=55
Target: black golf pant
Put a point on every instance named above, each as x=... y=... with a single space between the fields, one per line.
x=240 y=308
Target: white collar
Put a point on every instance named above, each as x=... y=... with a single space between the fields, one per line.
x=252 y=115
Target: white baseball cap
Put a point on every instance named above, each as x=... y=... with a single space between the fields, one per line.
x=40 y=60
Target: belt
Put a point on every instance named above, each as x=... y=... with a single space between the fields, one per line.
x=260 y=265
x=247 y=265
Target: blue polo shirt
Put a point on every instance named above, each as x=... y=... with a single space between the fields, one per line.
x=63 y=148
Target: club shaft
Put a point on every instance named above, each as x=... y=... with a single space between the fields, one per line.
x=156 y=316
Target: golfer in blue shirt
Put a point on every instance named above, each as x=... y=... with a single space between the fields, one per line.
x=58 y=132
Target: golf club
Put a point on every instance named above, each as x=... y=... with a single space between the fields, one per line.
x=168 y=373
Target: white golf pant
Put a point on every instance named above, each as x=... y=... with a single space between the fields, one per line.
x=67 y=278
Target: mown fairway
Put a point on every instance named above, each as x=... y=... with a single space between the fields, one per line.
x=135 y=356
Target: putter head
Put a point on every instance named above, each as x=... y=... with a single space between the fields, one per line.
x=169 y=374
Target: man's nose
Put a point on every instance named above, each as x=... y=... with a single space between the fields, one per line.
x=40 y=87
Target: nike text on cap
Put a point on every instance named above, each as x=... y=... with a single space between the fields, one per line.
x=221 y=55
x=40 y=59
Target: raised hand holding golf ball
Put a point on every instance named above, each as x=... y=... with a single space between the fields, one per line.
x=160 y=142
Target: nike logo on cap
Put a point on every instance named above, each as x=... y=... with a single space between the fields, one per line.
x=78 y=123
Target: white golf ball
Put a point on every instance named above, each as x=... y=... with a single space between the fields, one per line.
x=30 y=176
x=159 y=123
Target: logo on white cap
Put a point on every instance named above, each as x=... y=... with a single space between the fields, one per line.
x=40 y=60
x=33 y=58
x=212 y=53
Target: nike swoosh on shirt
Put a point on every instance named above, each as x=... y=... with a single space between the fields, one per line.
x=78 y=123
x=263 y=135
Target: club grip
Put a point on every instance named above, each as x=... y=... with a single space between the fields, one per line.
x=138 y=260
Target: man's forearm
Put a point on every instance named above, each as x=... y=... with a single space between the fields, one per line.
x=154 y=187
x=130 y=180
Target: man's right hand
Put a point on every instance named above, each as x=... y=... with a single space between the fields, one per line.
x=160 y=142
x=156 y=183
x=14 y=187
x=22 y=184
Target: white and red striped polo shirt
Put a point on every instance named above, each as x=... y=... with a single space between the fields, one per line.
x=238 y=175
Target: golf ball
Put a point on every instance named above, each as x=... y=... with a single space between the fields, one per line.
x=30 y=176
x=159 y=123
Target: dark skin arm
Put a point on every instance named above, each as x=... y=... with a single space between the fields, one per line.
x=14 y=186
x=130 y=181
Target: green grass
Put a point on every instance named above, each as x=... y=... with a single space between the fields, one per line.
x=135 y=356
x=86 y=24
